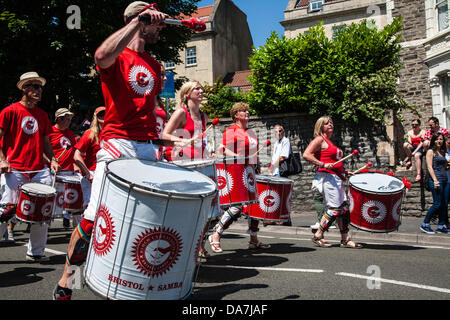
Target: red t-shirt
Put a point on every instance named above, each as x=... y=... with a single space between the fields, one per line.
x=89 y=148
x=241 y=141
x=24 y=131
x=161 y=118
x=59 y=139
x=129 y=87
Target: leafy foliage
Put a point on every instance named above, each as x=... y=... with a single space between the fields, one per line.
x=34 y=36
x=352 y=75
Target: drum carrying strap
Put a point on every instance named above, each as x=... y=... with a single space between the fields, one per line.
x=80 y=251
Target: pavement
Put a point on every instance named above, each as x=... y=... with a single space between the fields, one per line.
x=408 y=231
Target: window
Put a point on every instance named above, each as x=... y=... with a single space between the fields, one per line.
x=191 y=56
x=445 y=100
x=442 y=14
x=169 y=65
x=315 y=5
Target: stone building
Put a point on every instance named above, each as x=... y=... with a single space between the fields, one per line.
x=223 y=47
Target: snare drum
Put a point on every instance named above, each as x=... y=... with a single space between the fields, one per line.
x=236 y=182
x=208 y=168
x=375 y=201
x=69 y=193
x=148 y=230
x=35 y=202
x=274 y=199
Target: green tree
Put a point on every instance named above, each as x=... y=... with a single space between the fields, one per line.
x=34 y=35
x=352 y=75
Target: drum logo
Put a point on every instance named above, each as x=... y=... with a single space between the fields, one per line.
x=374 y=211
x=141 y=80
x=47 y=209
x=396 y=210
x=64 y=142
x=155 y=251
x=29 y=125
x=249 y=179
x=104 y=234
x=224 y=182
x=269 y=201
x=71 y=196
x=27 y=207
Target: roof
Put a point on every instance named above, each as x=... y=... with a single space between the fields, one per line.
x=201 y=13
x=238 y=79
x=305 y=3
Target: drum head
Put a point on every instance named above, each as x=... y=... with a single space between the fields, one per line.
x=161 y=176
x=69 y=179
x=197 y=163
x=376 y=183
x=37 y=188
x=273 y=179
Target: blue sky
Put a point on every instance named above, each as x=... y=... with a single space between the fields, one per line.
x=263 y=17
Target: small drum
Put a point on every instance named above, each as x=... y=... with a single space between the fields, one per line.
x=274 y=199
x=148 y=230
x=69 y=193
x=35 y=202
x=375 y=201
x=208 y=168
x=236 y=182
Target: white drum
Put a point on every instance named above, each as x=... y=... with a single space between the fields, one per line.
x=148 y=230
x=208 y=168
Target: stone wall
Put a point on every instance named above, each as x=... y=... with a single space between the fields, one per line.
x=368 y=138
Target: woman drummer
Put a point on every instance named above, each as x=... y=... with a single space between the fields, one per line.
x=187 y=124
x=323 y=153
x=238 y=141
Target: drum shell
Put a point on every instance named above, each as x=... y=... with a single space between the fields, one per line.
x=208 y=168
x=34 y=207
x=69 y=193
x=274 y=199
x=375 y=211
x=236 y=183
x=140 y=222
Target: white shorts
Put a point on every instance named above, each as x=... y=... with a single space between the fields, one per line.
x=115 y=149
x=333 y=191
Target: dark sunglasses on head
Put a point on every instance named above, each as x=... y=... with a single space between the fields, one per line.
x=34 y=85
x=101 y=114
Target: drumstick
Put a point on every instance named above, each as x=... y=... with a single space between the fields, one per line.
x=355 y=152
x=266 y=144
x=193 y=24
x=368 y=165
x=68 y=146
x=214 y=122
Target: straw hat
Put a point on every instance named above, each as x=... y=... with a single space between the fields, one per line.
x=30 y=76
x=133 y=9
x=61 y=112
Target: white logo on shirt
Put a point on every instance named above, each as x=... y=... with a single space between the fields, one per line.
x=29 y=125
x=141 y=80
x=65 y=142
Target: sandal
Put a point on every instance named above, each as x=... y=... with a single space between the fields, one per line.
x=203 y=253
x=258 y=245
x=418 y=178
x=346 y=244
x=215 y=245
x=320 y=242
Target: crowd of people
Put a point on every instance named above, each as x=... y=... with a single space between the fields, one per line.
x=133 y=124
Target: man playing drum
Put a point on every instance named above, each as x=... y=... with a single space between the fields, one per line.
x=130 y=79
x=25 y=128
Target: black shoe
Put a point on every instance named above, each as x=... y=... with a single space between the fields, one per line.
x=66 y=223
x=61 y=293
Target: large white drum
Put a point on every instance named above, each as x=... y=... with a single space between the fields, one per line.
x=148 y=230
x=208 y=168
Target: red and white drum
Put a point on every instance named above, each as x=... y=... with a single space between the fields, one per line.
x=274 y=199
x=35 y=202
x=69 y=193
x=236 y=182
x=375 y=201
x=148 y=230
x=208 y=168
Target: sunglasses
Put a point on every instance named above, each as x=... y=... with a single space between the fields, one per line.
x=279 y=130
x=101 y=114
x=34 y=85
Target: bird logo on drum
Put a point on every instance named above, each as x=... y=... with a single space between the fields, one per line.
x=47 y=209
x=269 y=201
x=27 y=207
x=249 y=179
x=71 y=196
x=155 y=251
x=396 y=210
x=104 y=232
x=374 y=211
x=224 y=182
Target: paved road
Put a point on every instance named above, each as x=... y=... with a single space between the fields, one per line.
x=292 y=269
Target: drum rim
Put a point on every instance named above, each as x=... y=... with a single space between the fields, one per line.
x=377 y=192
x=208 y=161
x=40 y=195
x=372 y=230
x=285 y=182
x=147 y=189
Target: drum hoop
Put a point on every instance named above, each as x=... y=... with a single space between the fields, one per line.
x=377 y=193
x=267 y=181
x=158 y=192
x=373 y=230
x=209 y=162
x=232 y=160
x=40 y=195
